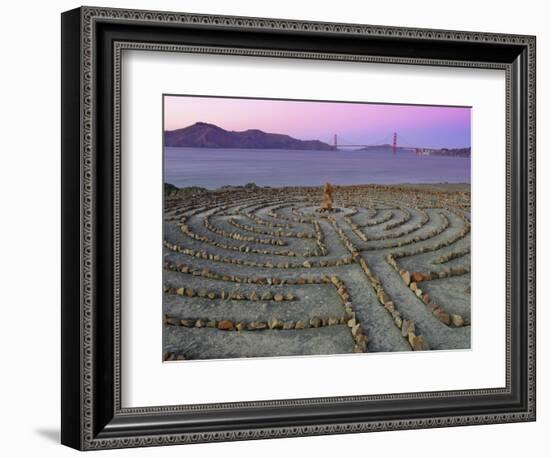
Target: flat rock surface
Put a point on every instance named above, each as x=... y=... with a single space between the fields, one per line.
x=332 y=265
x=207 y=343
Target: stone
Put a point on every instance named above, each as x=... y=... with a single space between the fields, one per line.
x=186 y=323
x=307 y=264
x=275 y=323
x=180 y=291
x=383 y=297
x=417 y=277
x=253 y=296
x=256 y=325
x=289 y=297
x=169 y=320
x=406 y=276
x=397 y=320
x=267 y=296
x=458 y=271
x=226 y=325
x=300 y=325
x=405 y=328
x=389 y=306
x=288 y=325
x=457 y=320
x=349 y=315
x=240 y=326
x=413 y=286
x=278 y=297
x=396 y=313
x=417 y=342
x=315 y=322
x=443 y=316
x=362 y=338
x=326 y=203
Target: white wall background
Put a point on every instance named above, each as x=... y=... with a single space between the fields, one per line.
x=30 y=214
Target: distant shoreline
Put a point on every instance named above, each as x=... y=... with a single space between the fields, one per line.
x=171 y=190
x=207 y=135
x=440 y=152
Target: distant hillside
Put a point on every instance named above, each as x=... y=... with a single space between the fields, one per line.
x=204 y=135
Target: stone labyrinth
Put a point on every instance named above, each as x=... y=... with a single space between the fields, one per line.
x=261 y=272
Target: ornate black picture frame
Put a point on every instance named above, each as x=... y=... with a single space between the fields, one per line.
x=92 y=41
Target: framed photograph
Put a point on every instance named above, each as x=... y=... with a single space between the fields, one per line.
x=278 y=228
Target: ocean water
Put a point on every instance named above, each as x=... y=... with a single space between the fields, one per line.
x=213 y=168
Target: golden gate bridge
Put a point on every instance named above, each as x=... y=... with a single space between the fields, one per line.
x=384 y=142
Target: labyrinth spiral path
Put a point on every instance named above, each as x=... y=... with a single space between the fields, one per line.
x=261 y=272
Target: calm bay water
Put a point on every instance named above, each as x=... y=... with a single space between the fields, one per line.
x=213 y=168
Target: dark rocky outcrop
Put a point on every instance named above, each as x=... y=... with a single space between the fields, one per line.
x=204 y=135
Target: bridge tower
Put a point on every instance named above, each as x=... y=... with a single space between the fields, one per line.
x=394 y=144
x=335 y=141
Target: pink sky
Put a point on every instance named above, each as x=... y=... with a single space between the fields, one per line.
x=367 y=123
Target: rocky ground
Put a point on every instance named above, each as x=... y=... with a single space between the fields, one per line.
x=261 y=272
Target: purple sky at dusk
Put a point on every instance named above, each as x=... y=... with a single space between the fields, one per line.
x=363 y=123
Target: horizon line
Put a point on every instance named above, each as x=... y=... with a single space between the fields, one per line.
x=296 y=138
